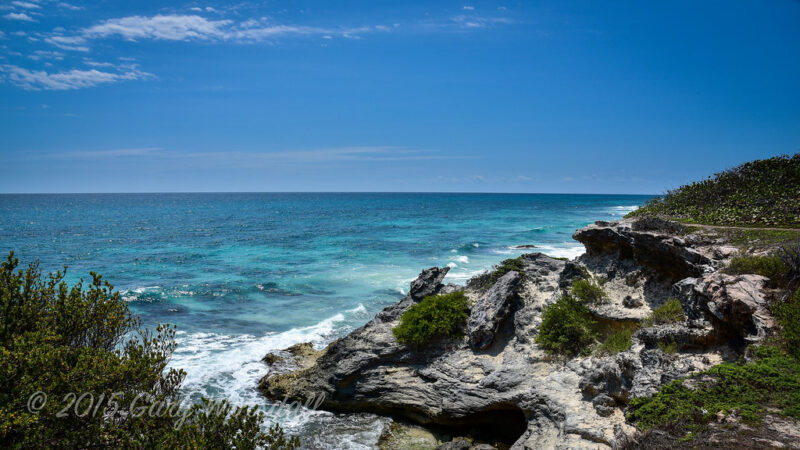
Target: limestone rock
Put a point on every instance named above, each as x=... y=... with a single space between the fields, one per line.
x=491 y=311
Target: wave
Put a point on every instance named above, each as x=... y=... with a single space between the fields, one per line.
x=229 y=366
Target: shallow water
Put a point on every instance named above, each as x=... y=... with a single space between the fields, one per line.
x=243 y=274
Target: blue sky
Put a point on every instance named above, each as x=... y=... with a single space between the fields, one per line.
x=584 y=96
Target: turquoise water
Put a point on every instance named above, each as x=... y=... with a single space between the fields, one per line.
x=242 y=274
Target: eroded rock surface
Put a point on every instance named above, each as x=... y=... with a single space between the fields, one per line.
x=496 y=378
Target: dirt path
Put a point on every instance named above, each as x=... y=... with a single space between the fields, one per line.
x=723 y=227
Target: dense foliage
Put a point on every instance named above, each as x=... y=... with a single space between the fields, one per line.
x=434 y=316
x=772 y=380
x=105 y=378
x=771 y=267
x=567 y=328
x=487 y=279
x=762 y=193
x=589 y=292
x=670 y=312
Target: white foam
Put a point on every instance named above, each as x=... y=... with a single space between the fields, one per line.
x=226 y=366
x=462 y=259
x=567 y=250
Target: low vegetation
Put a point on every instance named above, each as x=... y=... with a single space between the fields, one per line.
x=670 y=312
x=762 y=193
x=486 y=280
x=589 y=292
x=771 y=267
x=567 y=328
x=435 y=316
x=618 y=341
x=770 y=382
x=788 y=314
x=81 y=343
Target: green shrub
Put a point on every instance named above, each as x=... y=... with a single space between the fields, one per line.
x=761 y=192
x=435 y=316
x=83 y=339
x=619 y=341
x=771 y=267
x=669 y=348
x=487 y=279
x=670 y=312
x=788 y=315
x=567 y=328
x=588 y=292
x=772 y=380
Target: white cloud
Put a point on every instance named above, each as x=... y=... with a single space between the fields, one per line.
x=161 y=27
x=477 y=21
x=44 y=54
x=75 y=43
x=469 y=7
x=19 y=16
x=73 y=79
x=26 y=5
x=69 y=6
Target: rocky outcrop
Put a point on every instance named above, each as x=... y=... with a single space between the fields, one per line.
x=496 y=380
x=489 y=313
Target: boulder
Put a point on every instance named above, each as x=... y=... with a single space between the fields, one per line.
x=491 y=310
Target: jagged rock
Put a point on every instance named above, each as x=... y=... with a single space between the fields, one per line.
x=492 y=310
x=631 y=302
x=686 y=338
x=667 y=254
x=428 y=282
x=530 y=399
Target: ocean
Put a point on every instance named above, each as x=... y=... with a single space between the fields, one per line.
x=242 y=274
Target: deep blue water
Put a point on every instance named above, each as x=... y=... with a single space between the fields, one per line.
x=241 y=274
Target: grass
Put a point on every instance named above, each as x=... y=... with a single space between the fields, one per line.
x=762 y=193
x=670 y=312
x=589 y=292
x=567 y=328
x=435 y=316
x=488 y=279
x=618 y=341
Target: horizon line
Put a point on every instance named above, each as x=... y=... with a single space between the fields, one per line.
x=323 y=192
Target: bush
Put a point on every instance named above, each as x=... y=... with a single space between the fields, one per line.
x=435 y=316
x=772 y=380
x=788 y=315
x=618 y=341
x=488 y=279
x=567 y=328
x=761 y=192
x=61 y=340
x=669 y=348
x=771 y=267
x=589 y=292
x=790 y=255
x=670 y=312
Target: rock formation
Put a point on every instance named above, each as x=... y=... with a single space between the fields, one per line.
x=496 y=379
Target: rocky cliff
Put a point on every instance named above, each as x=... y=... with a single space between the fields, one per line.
x=496 y=380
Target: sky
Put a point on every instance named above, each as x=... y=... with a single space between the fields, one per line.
x=447 y=96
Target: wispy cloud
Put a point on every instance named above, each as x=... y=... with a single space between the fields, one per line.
x=37 y=80
x=197 y=28
x=69 y=6
x=75 y=43
x=479 y=21
x=26 y=5
x=354 y=154
x=95 y=154
x=19 y=16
